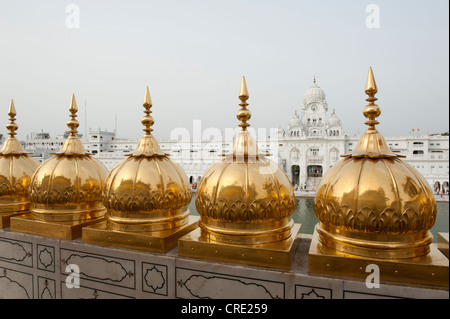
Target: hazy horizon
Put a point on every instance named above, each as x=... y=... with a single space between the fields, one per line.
x=192 y=55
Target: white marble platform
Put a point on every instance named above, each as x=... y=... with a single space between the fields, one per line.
x=34 y=267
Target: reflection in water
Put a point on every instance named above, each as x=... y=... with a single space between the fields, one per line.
x=304 y=214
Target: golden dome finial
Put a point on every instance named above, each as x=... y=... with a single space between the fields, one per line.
x=147 y=120
x=243 y=114
x=147 y=146
x=371 y=86
x=314 y=79
x=372 y=143
x=12 y=126
x=147 y=98
x=72 y=145
x=371 y=111
x=73 y=123
x=12 y=145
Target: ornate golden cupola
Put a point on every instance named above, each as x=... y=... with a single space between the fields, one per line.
x=65 y=190
x=16 y=169
x=146 y=196
x=373 y=208
x=245 y=203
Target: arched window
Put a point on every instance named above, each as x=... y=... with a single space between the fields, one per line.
x=334 y=154
x=295 y=153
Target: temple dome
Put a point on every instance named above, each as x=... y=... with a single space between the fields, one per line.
x=314 y=94
x=16 y=170
x=371 y=203
x=246 y=198
x=334 y=120
x=295 y=121
x=68 y=186
x=147 y=191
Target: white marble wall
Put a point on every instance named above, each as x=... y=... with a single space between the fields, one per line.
x=34 y=267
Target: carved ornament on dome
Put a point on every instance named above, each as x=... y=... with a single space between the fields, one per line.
x=366 y=220
x=239 y=211
x=147 y=203
x=41 y=195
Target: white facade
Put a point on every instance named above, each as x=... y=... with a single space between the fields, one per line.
x=312 y=143
x=428 y=154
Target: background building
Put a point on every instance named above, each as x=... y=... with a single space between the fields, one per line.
x=312 y=142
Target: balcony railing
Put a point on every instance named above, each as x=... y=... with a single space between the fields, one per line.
x=314 y=159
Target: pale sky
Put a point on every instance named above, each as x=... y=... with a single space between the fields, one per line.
x=193 y=53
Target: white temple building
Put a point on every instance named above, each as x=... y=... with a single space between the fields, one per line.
x=313 y=142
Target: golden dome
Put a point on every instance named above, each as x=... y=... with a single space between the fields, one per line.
x=147 y=191
x=68 y=186
x=371 y=203
x=246 y=198
x=16 y=170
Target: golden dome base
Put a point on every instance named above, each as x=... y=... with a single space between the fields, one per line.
x=431 y=269
x=14 y=207
x=155 y=241
x=274 y=255
x=142 y=223
x=401 y=246
x=75 y=214
x=26 y=223
x=246 y=233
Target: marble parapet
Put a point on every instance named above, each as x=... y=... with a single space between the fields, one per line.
x=36 y=267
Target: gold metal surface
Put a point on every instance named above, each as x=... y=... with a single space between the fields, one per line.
x=430 y=270
x=56 y=229
x=16 y=170
x=155 y=241
x=443 y=243
x=146 y=196
x=245 y=201
x=273 y=255
x=371 y=203
x=66 y=188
